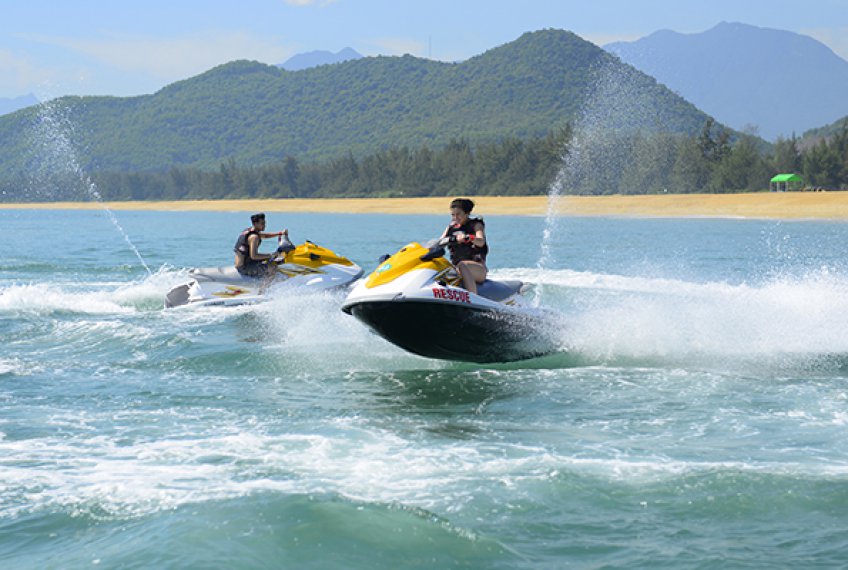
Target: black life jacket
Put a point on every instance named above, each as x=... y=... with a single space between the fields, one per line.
x=243 y=247
x=466 y=251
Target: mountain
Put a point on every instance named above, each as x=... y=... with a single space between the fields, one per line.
x=15 y=103
x=778 y=81
x=309 y=59
x=257 y=114
x=815 y=135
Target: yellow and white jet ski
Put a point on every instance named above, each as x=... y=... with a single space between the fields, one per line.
x=414 y=299
x=308 y=266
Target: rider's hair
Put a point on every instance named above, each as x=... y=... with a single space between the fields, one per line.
x=463 y=204
x=256 y=217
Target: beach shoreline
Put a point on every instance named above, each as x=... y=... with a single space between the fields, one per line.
x=762 y=205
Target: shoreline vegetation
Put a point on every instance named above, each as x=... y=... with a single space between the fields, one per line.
x=760 y=205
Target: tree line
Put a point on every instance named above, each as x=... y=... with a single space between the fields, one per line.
x=713 y=161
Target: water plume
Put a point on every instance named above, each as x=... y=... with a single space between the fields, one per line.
x=615 y=147
x=57 y=172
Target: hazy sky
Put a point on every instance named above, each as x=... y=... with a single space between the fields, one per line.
x=131 y=47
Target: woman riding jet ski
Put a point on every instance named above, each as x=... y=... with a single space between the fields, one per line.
x=415 y=299
x=307 y=265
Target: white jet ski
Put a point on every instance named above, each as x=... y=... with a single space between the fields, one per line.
x=414 y=299
x=308 y=266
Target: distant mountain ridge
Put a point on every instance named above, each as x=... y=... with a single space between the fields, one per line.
x=778 y=81
x=10 y=105
x=258 y=114
x=319 y=57
x=813 y=136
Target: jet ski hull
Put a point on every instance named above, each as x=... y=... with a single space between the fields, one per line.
x=307 y=267
x=451 y=331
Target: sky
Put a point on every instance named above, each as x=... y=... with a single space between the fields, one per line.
x=52 y=48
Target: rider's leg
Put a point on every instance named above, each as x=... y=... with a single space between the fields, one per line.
x=472 y=273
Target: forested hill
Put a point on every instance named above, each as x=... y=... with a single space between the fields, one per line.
x=256 y=114
x=813 y=136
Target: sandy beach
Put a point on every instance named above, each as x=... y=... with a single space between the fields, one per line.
x=780 y=205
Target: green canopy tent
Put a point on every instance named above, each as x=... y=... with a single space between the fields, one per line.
x=787 y=183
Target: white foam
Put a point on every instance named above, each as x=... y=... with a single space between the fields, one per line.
x=312 y=328
x=616 y=315
x=152 y=288
x=43 y=298
x=588 y=280
x=92 y=297
x=13 y=366
x=360 y=463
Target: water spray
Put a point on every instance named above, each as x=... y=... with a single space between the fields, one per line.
x=54 y=132
x=606 y=143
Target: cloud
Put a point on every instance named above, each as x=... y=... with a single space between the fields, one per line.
x=18 y=74
x=170 y=59
x=834 y=38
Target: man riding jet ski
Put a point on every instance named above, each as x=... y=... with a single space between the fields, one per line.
x=415 y=300
x=249 y=262
x=307 y=265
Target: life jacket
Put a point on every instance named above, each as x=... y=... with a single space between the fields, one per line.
x=242 y=247
x=466 y=251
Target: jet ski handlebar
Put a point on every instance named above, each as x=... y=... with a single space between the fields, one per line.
x=285 y=246
x=438 y=249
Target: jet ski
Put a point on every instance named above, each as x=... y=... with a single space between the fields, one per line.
x=414 y=299
x=307 y=265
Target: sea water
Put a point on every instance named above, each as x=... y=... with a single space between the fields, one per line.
x=696 y=416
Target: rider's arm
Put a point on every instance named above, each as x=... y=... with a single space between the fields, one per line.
x=479 y=235
x=253 y=243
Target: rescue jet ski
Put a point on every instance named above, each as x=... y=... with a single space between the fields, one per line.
x=414 y=299
x=307 y=265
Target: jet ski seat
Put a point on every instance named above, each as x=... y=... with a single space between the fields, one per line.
x=229 y=273
x=499 y=290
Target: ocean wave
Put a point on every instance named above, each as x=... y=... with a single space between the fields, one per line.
x=130 y=480
x=90 y=297
x=45 y=298
x=258 y=531
x=13 y=366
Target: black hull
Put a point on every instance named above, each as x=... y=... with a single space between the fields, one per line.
x=451 y=331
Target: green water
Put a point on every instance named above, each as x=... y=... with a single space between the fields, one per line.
x=695 y=418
